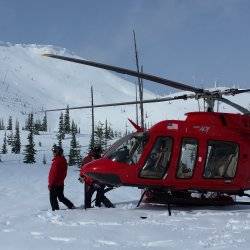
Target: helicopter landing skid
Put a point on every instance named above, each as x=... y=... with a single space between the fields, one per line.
x=157 y=197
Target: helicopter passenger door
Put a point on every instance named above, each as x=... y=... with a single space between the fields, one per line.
x=222 y=159
x=187 y=160
x=156 y=164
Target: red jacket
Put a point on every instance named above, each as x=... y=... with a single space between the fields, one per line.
x=90 y=157
x=58 y=171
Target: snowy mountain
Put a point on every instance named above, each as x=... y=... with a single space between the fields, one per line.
x=31 y=82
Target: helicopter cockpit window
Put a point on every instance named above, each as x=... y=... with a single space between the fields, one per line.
x=157 y=163
x=222 y=158
x=188 y=158
x=128 y=149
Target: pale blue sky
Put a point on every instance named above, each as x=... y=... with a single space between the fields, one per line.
x=183 y=40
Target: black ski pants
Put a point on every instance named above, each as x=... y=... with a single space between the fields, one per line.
x=56 y=192
x=100 y=195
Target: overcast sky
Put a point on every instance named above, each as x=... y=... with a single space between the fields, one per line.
x=193 y=41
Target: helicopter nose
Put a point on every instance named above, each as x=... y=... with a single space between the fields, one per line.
x=110 y=179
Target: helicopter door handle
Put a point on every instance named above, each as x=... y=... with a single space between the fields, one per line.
x=228 y=181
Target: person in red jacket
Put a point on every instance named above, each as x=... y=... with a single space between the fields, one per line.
x=91 y=186
x=57 y=175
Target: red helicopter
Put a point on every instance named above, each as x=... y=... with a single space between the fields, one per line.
x=177 y=161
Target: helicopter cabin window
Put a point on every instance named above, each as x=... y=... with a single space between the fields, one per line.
x=157 y=163
x=222 y=158
x=128 y=149
x=188 y=158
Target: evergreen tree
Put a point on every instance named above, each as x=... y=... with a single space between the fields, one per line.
x=44 y=160
x=75 y=152
x=16 y=141
x=99 y=137
x=74 y=129
x=61 y=131
x=67 y=121
x=37 y=126
x=30 y=150
x=29 y=122
x=4 y=147
x=91 y=143
x=2 y=127
x=10 y=138
x=9 y=126
x=106 y=134
x=60 y=142
x=45 y=123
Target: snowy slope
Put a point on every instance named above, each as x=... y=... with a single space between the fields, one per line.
x=27 y=223
x=30 y=82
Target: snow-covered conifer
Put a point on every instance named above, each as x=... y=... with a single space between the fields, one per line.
x=99 y=136
x=9 y=126
x=75 y=152
x=67 y=121
x=4 y=147
x=44 y=160
x=29 y=122
x=10 y=138
x=74 y=129
x=61 y=131
x=30 y=150
x=16 y=146
x=2 y=127
x=45 y=123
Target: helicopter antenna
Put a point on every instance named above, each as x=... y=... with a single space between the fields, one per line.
x=136 y=105
x=139 y=81
x=92 y=118
x=142 y=110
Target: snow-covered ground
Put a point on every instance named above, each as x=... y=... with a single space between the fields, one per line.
x=27 y=222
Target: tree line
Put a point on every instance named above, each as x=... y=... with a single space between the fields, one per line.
x=13 y=139
x=103 y=133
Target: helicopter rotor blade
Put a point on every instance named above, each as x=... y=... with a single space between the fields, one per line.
x=234 y=105
x=164 y=99
x=234 y=91
x=125 y=71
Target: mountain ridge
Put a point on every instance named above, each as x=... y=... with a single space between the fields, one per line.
x=30 y=82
